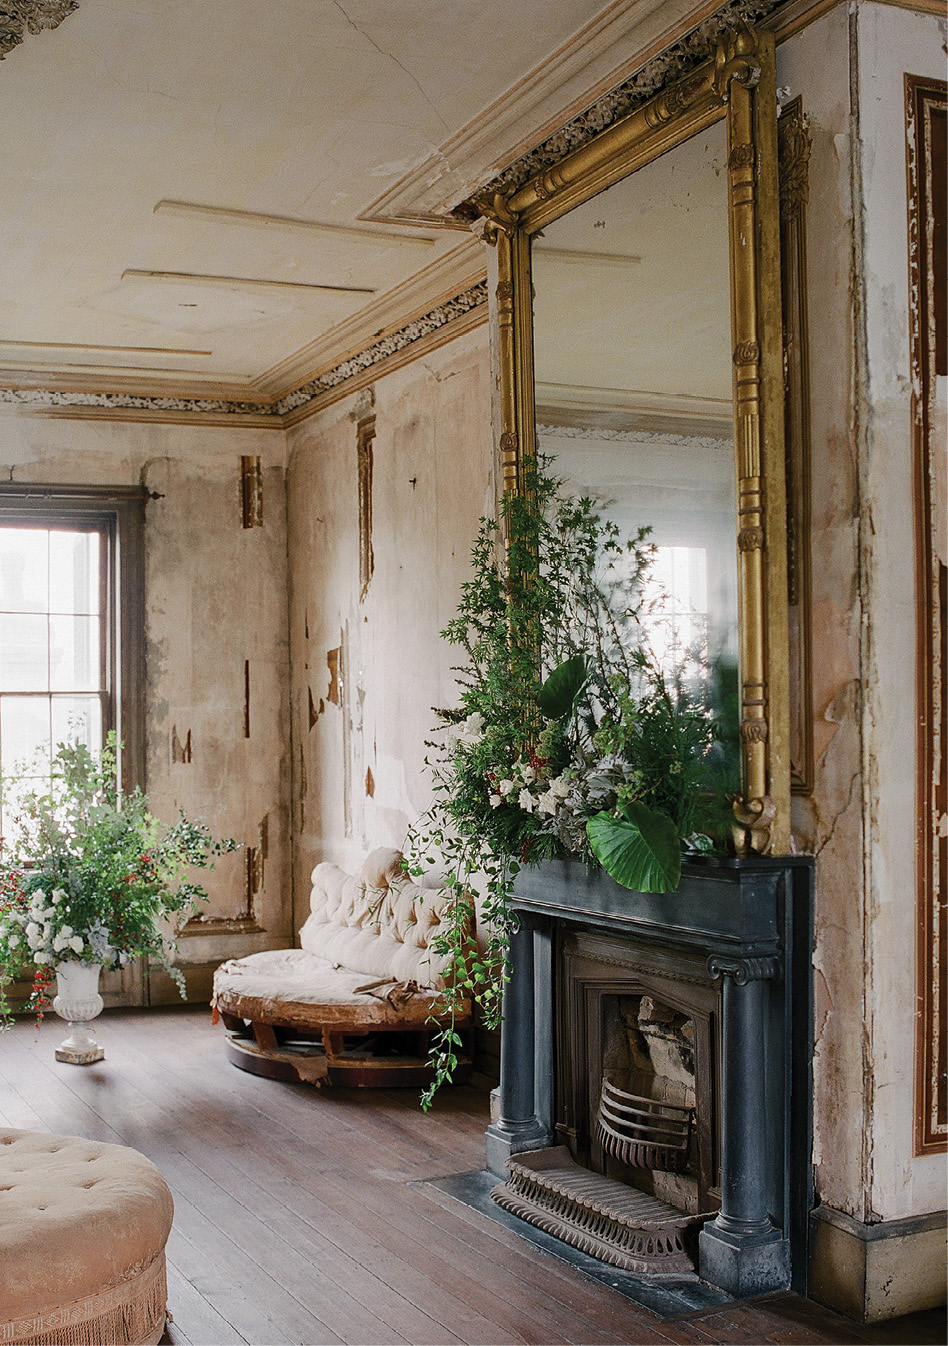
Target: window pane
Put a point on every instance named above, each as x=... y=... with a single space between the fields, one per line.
x=73 y=572
x=23 y=569
x=14 y=791
x=24 y=653
x=74 y=660
x=77 y=719
x=24 y=734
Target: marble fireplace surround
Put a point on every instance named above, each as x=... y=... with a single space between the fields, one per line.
x=743 y=927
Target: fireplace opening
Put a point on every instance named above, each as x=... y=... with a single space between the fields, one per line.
x=645 y=1131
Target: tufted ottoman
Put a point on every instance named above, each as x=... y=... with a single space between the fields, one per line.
x=83 y=1228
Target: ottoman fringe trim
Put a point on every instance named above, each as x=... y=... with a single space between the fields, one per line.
x=131 y=1313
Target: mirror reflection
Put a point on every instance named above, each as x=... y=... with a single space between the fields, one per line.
x=633 y=389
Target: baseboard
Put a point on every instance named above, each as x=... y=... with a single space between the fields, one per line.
x=878 y=1271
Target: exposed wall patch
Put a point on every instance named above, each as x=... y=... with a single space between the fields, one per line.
x=369 y=783
x=365 y=439
x=333 y=663
x=251 y=492
x=180 y=752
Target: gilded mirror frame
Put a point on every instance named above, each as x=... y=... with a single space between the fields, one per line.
x=738 y=86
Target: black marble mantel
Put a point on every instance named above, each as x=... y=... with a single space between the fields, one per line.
x=750 y=921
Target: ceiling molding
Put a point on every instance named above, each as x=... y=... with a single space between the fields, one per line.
x=31 y=16
x=568 y=83
x=198 y=278
x=445 y=322
x=11 y=343
x=627 y=411
x=435 y=284
x=258 y=220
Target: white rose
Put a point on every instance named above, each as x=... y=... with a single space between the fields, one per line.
x=547 y=803
x=527 y=773
x=14 y=941
x=560 y=787
x=67 y=932
x=41 y=958
x=59 y=943
x=495 y=801
x=32 y=932
x=506 y=787
x=57 y=895
x=526 y=801
x=77 y=943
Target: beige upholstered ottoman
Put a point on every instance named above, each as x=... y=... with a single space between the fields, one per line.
x=83 y=1228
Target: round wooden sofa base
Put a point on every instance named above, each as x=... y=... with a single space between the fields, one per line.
x=328 y=1059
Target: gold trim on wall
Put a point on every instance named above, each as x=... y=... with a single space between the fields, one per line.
x=793 y=140
x=738 y=85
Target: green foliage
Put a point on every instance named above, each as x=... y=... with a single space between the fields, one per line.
x=89 y=873
x=640 y=848
x=565 y=715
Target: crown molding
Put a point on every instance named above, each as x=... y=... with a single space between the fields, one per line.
x=435 y=284
x=607 y=411
x=569 y=82
x=444 y=322
x=33 y=16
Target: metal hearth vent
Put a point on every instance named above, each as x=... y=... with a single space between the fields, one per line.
x=607 y=1219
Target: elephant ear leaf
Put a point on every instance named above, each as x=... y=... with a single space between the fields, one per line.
x=641 y=850
x=558 y=695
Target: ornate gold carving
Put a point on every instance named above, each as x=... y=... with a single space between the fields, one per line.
x=793 y=143
x=746 y=353
x=794 y=146
x=504 y=291
x=754 y=731
x=493 y=206
x=33 y=16
x=734 y=60
x=753 y=825
x=741 y=156
x=750 y=539
x=508 y=442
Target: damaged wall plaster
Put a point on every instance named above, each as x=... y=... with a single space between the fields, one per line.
x=374 y=720
x=862 y=709
x=210 y=616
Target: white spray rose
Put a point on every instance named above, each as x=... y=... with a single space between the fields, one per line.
x=77 y=943
x=506 y=787
x=547 y=803
x=526 y=801
x=495 y=801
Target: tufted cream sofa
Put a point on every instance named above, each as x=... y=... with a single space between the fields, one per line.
x=356 y=1004
x=83 y=1227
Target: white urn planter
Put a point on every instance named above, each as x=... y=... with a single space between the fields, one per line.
x=77 y=1001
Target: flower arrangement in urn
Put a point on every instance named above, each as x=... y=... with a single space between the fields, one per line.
x=90 y=878
x=572 y=738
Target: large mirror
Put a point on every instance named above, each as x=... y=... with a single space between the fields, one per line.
x=638 y=298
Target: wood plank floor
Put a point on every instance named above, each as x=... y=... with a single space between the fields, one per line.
x=295 y=1221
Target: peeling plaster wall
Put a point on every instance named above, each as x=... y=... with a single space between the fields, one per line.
x=829 y=822
x=215 y=597
x=889 y=43
x=365 y=673
x=859 y=820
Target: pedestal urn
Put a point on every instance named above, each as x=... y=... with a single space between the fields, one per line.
x=77 y=1001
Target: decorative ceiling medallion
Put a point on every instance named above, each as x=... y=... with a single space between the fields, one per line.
x=673 y=63
x=33 y=16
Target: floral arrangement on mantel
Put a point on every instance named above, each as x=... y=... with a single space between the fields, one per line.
x=570 y=738
x=89 y=874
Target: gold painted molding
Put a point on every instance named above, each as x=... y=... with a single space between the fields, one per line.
x=739 y=86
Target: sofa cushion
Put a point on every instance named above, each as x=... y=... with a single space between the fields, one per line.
x=300 y=989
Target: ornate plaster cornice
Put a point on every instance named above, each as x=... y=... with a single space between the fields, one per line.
x=611 y=436
x=673 y=63
x=31 y=16
x=272 y=411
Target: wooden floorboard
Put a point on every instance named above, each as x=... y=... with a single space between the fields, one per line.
x=298 y=1219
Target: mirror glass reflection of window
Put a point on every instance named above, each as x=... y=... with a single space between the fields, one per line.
x=633 y=383
x=53 y=648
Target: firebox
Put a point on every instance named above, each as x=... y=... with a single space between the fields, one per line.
x=655 y=1092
